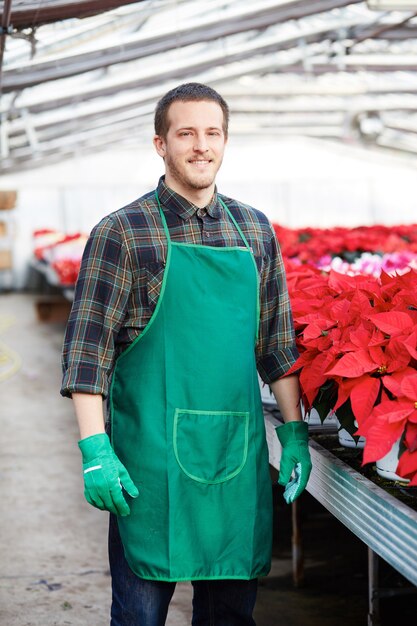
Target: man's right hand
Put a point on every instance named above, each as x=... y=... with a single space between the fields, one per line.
x=105 y=475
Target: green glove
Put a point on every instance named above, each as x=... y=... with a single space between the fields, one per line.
x=104 y=476
x=295 y=457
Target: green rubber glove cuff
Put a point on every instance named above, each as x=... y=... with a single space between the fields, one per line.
x=105 y=476
x=292 y=431
x=295 y=457
x=94 y=445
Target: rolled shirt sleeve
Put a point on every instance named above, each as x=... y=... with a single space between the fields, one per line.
x=99 y=308
x=276 y=349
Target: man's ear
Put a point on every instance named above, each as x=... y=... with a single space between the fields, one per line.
x=159 y=144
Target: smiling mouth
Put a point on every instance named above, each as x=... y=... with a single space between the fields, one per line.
x=200 y=162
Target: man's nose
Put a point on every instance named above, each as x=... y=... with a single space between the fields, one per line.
x=200 y=144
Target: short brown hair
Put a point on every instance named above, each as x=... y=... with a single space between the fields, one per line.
x=187 y=92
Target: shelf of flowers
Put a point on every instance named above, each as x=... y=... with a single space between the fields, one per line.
x=354 y=299
x=57 y=257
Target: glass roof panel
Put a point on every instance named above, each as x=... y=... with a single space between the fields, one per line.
x=310 y=68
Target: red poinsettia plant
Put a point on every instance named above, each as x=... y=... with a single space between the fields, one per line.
x=357 y=338
x=62 y=252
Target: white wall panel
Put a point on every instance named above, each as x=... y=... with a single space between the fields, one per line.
x=296 y=182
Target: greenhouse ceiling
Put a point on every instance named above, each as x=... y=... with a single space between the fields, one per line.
x=78 y=77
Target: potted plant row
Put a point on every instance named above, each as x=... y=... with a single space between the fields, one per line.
x=357 y=337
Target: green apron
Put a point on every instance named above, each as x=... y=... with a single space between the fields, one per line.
x=187 y=423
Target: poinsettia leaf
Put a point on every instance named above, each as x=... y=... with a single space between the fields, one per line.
x=409 y=387
x=392 y=322
x=397 y=353
x=380 y=438
x=399 y=411
x=385 y=278
x=360 y=337
x=394 y=381
x=345 y=387
x=323 y=343
x=413 y=417
x=317 y=328
x=312 y=377
x=339 y=309
x=403 y=373
x=352 y=365
x=340 y=282
x=411 y=344
x=377 y=355
x=392 y=385
x=363 y=397
x=407 y=467
x=360 y=305
x=388 y=411
x=411 y=437
x=378 y=338
x=308 y=318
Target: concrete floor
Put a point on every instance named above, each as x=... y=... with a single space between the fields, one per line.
x=53 y=545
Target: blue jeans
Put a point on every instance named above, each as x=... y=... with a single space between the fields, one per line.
x=139 y=602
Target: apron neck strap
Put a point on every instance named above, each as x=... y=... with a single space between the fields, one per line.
x=235 y=223
x=165 y=225
x=164 y=222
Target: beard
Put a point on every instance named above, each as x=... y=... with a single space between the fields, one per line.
x=188 y=179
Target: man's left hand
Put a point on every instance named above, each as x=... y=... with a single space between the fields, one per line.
x=295 y=457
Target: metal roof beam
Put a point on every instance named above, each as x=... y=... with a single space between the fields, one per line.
x=334 y=84
x=5 y=27
x=33 y=13
x=61 y=41
x=77 y=139
x=4 y=138
x=359 y=63
x=232 y=22
x=201 y=62
x=397 y=33
x=287 y=112
x=66 y=124
x=218 y=67
x=258 y=88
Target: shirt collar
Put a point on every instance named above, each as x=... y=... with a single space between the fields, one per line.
x=172 y=201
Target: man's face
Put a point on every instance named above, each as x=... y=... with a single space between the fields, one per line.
x=194 y=145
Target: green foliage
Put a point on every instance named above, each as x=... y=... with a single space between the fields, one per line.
x=346 y=419
x=326 y=399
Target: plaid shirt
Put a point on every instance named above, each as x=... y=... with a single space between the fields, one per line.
x=121 y=275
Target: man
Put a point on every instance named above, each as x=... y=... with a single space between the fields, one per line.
x=181 y=297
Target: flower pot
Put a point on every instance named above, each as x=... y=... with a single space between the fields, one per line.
x=346 y=440
x=313 y=418
x=386 y=466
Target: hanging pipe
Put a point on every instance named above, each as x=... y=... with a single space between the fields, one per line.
x=5 y=29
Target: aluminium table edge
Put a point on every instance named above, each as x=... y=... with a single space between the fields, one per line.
x=384 y=523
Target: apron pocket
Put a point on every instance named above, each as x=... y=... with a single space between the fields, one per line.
x=211 y=446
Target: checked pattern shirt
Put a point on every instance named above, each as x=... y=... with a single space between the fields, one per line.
x=121 y=276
